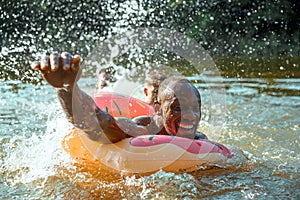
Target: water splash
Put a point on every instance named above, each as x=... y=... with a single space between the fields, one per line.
x=28 y=159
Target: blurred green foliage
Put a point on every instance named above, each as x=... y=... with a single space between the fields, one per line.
x=246 y=38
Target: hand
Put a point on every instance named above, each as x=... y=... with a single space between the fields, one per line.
x=59 y=70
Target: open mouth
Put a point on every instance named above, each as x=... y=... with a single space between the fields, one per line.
x=185 y=126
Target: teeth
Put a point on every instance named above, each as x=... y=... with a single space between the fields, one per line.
x=186 y=126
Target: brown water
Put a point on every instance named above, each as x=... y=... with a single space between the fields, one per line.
x=261 y=119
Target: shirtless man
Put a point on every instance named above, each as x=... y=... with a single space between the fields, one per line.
x=152 y=81
x=179 y=112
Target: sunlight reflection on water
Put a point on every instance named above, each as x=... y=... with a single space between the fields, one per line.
x=263 y=123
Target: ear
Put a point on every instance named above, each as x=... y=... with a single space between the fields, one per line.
x=146 y=91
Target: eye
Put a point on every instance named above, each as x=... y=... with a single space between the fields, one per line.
x=177 y=108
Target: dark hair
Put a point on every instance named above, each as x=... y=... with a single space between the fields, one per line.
x=169 y=82
x=155 y=77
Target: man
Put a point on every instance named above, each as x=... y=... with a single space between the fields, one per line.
x=179 y=112
x=152 y=81
x=105 y=75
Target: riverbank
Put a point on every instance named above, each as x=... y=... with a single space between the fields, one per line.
x=17 y=67
x=259 y=67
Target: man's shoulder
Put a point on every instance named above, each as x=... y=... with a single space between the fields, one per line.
x=200 y=136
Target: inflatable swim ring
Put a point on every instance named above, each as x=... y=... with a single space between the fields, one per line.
x=142 y=154
x=119 y=105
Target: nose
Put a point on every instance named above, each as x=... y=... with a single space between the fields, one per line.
x=190 y=115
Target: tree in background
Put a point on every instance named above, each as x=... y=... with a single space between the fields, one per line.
x=226 y=28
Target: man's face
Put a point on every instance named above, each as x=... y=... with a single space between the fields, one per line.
x=181 y=110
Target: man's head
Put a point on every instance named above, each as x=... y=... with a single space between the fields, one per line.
x=104 y=75
x=180 y=106
x=152 y=82
x=107 y=73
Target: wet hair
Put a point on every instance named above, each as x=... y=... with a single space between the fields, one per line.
x=164 y=91
x=155 y=78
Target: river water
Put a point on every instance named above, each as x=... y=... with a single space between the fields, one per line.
x=261 y=120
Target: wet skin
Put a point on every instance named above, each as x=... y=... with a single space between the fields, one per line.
x=181 y=110
x=62 y=71
x=179 y=113
x=59 y=70
x=148 y=91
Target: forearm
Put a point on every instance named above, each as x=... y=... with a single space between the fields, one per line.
x=82 y=112
x=65 y=98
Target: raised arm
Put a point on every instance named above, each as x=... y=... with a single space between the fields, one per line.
x=62 y=71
